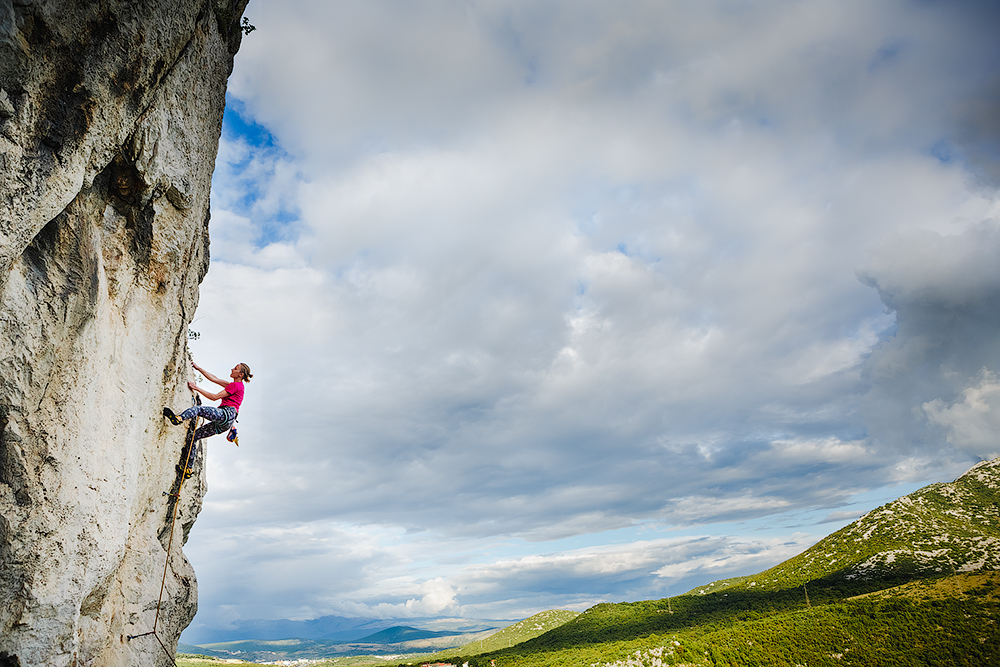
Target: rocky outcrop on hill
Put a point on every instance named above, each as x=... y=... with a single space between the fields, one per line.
x=110 y=115
x=943 y=528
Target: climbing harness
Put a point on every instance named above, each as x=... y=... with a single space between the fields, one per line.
x=185 y=473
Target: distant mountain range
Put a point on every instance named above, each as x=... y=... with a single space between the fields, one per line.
x=394 y=640
x=401 y=633
x=333 y=628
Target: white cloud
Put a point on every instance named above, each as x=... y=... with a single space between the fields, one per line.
x=537 y=271
x=974 y=423
x=382 y=574
x=738 y=556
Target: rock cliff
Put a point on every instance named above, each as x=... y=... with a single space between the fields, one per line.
x=110 y=115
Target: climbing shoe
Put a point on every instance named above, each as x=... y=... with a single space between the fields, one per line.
x=187 y=472
x=174 y=419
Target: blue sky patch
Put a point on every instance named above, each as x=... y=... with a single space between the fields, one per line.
x=238 y=124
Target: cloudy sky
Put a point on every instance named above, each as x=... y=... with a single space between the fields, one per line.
x=558 y=302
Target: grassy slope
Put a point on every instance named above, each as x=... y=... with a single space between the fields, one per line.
x=945 y=621
x=512 y=635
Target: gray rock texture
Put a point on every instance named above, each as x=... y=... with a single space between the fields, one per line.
x=110 y=115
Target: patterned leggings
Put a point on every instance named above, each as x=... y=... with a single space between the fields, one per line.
x=220 y=420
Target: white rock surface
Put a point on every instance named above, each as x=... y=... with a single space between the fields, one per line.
x=110 y=115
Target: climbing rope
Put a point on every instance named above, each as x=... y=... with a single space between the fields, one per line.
x=185 y=473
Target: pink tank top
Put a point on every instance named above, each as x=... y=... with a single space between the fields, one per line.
x=235 y=391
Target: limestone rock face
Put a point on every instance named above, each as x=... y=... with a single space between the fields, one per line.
x=110 y=115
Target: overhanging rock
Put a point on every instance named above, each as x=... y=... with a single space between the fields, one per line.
x=110 y=116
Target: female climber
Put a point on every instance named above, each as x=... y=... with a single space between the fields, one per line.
x=220 y=419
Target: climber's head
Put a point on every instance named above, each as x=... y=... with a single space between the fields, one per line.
x=241 y=372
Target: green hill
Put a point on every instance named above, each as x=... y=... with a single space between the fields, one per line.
x=942 y=528
x=910 y=583
x=512 y=635
x=401 y=633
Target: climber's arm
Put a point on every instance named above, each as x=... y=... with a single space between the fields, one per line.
x=210 y=377
x=212 y=397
